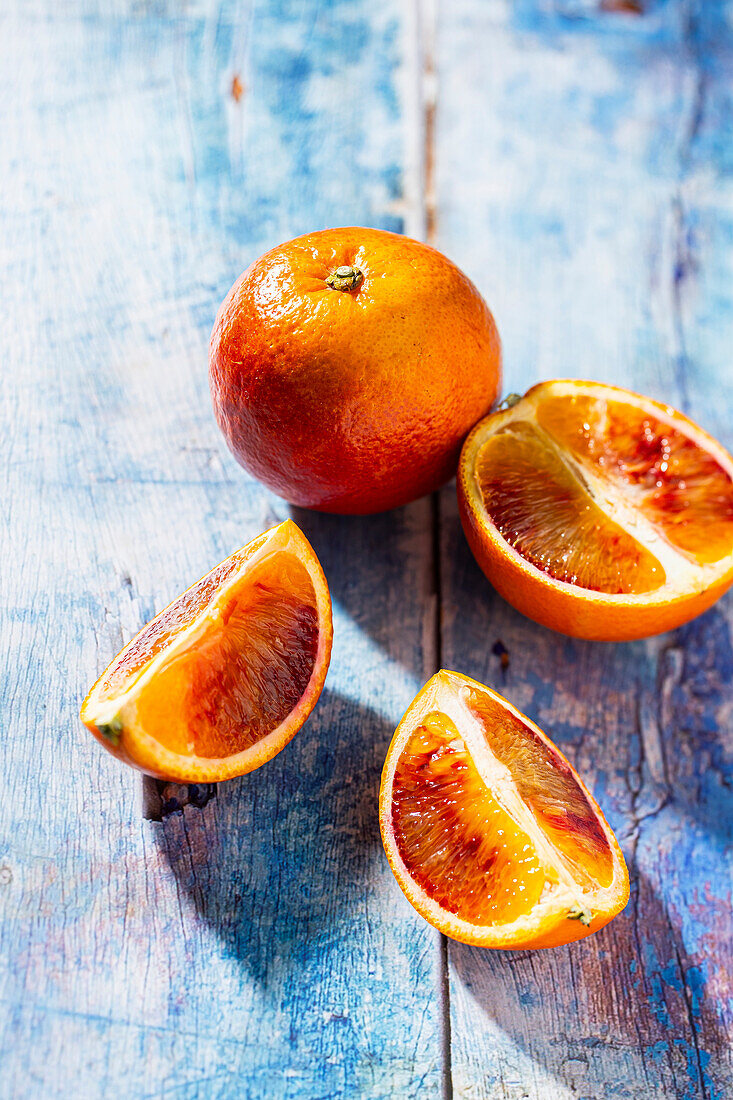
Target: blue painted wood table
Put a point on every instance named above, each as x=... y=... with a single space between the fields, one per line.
x=576 y=158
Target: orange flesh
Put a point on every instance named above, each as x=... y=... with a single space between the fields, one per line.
x=679 y=486
x=546 y=784
x=459 y=843
x=176 y=617
x=456 y=841
x=547 y=514
x=240 y=680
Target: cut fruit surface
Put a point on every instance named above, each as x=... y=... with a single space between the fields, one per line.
x=488 y=829
x=227 y=674
x=541 y=508
x=598 y=512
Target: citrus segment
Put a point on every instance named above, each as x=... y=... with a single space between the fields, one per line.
x=489 y=831
x=678 y=484
x=548 y=786
x=161 y=631
x=454 y=838
x=545 y=512
x=598 y=512
x=243 y=679
x=226 y=675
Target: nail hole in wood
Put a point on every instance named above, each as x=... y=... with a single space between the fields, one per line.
x=161 y=799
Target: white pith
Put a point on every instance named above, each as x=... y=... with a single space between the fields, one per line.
x=682 y=575
x=562 y=894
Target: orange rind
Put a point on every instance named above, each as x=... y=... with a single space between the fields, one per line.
x=227 y=674
x=488 y=830
x=598 y=512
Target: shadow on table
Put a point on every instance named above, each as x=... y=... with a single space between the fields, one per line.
x=610 y=1016
x=589 y=696
x=281 y=863
x=278 y=862
x=380 y=571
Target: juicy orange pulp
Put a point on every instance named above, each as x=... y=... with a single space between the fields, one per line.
x=544 y=511
x=491 y=824
x=676 y=483
x=600 y=491
x=454 y=838
x=221 y=679
x=247 y=672
x=544 y=508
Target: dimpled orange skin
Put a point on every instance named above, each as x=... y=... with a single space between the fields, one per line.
x=357 y=400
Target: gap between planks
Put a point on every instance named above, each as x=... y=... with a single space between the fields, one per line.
x=425 y=79
x=161 y=799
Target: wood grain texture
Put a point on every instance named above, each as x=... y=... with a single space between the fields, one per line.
x=258 y=946
x=584 y=180
x=577 y=162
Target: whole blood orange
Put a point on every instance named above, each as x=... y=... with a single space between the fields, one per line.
x=227 y=674
x=347 y=367
x=598 y=512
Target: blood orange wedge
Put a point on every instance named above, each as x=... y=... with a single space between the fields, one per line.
x=488 y=829
x=223 y=678
x=598 y=512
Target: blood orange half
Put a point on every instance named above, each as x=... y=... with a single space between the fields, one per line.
x=222 y=679
x=598 y=512
x=488 y=829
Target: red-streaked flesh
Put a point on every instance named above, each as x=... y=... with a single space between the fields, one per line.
x=546 y=784
x=677 y=484
x=176 y=617
x=455 y=840
x=547 y=514
x=243 y=678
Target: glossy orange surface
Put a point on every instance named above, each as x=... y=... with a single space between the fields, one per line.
x=489 y=831
x=227 y=674
x=598 y=512
x=352 y=400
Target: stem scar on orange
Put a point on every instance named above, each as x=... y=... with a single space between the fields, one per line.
x=347 y=367
x=598 y=512
x=222 y=679
x=488 y=830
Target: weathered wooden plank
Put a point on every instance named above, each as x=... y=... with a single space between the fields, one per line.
x=583 y=179
x=258 y=946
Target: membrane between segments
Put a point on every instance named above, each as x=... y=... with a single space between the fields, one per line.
x=547 y=514
x=677 y=484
